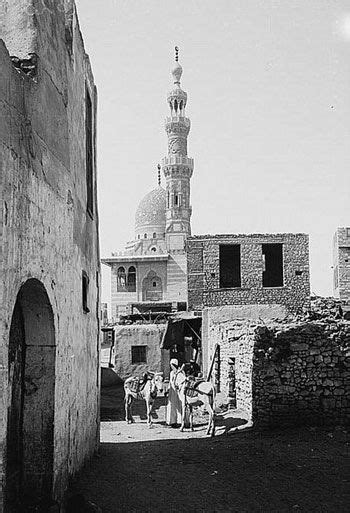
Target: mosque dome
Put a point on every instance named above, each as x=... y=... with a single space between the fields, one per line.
x=150 y=213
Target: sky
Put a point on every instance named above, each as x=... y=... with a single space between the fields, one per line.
x=268 y=85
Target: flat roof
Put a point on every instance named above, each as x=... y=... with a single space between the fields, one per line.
x=134 y=258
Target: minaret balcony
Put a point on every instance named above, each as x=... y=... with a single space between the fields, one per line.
x=178 y=119
x=178 y=160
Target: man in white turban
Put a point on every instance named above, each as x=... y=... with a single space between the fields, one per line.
x=173 y=416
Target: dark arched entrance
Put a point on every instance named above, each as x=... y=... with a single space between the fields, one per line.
x=152 y=289
x=30 y=426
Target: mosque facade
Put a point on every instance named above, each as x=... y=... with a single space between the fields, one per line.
x=151 y=273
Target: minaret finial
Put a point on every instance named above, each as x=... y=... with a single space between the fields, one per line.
x=176 y=54
x=159 y=168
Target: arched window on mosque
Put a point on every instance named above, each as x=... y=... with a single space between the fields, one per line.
x=145 y=236
x=132 y=279
x=138 y=236
x=154 y=235
x=121 y=279
x=176 y=200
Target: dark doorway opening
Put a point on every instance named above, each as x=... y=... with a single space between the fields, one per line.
x=230 y=265
x=30 y=426
x=273 y=273
x=232 y=383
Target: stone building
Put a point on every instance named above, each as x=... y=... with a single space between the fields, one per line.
x=341 y=264
x=270 y=269
x=49 y=302
x=151 y=273
x=283 y=372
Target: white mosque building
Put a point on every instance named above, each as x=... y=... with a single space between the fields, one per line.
x=151 y=273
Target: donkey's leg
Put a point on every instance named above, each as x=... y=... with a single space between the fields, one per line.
x=191 y=417
x=126 y=405
x=211 y=404
x=183 y=414
x=131 y=418
x=149 y=405
x=210 y=409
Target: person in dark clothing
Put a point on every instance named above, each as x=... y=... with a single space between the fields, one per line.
x=193 y=369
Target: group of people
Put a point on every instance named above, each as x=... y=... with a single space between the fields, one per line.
x=173 y=417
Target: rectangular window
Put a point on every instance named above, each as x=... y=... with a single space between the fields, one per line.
x=230 y=265
x=273 y=272
x=89 y=143
x=138 y=354
x=85 y=291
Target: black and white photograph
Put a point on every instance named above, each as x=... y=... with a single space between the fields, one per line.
x=175 y=256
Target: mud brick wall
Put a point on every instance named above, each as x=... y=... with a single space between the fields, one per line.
x=149 y=335
x=204 y=273
x=235 y=341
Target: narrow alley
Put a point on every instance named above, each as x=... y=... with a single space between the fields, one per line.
x=160 y=469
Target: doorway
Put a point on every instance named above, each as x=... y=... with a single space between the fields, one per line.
x=31 y=382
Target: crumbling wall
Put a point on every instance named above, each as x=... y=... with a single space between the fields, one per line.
x=288 y=371
x=301 y=373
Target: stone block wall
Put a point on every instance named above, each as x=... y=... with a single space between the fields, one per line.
x=301 y=374
x=287 y=372
x=49 y=237
x=341 y=264
x=204 y=271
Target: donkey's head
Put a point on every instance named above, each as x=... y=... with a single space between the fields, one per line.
x=158 y=379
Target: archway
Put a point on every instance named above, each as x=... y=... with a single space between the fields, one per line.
x=30 y=426
x=152 y=289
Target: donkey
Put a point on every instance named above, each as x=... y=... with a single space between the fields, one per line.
x=148 y=393
x=191 y=394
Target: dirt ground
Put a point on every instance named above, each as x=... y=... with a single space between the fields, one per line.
x=239 y=470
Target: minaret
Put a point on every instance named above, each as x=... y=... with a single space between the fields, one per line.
x=177 y=167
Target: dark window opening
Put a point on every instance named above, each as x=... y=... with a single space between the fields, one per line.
x=176 y=200
x=154 y=235
x=273 y=272
x=138 y=354
x=230 y=265
x=85 y=291
x=132 y=279
x=348 y=232
x=145 y=236
x=154 y=284
x=182 y=306
x=298 y=273
x=89 y=154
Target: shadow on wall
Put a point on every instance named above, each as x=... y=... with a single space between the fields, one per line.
x=109 y=377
